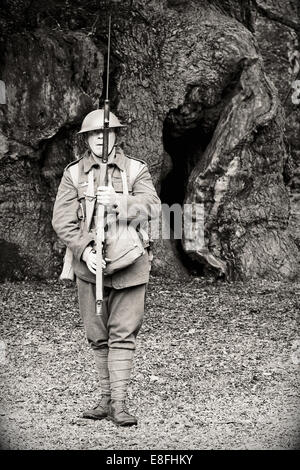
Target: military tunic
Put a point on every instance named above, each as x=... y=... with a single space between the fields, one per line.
x=124 y=291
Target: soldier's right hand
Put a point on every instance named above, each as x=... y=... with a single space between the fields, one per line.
x=90 y=257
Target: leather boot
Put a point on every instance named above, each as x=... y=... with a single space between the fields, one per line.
x=119 y=415
x=100 y=411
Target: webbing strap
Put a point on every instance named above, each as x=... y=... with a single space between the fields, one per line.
x=124 y=182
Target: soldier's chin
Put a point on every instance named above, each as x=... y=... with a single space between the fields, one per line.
x=97 y=151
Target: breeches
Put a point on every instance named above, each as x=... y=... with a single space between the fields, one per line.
x=121 y=319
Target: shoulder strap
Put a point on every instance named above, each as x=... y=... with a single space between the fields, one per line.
x=137 y=159
x=73 y=162
x=124 y=181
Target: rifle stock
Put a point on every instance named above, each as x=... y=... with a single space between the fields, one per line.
x=99 y=257
x=100 y=232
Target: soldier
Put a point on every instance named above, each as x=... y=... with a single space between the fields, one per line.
x=112 y=336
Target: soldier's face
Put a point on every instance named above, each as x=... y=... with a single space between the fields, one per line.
x=95 y=141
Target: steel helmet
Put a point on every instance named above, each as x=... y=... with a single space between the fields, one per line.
x=95 y=120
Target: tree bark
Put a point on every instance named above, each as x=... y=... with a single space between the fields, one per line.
x=188 y=79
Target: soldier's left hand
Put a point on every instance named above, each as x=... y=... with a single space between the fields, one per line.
x=106 y=195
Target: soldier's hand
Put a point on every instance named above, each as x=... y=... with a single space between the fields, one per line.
x=106 y=195
x=90 y=257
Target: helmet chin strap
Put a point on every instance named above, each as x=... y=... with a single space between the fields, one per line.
x=113 y=149
x=112 y=152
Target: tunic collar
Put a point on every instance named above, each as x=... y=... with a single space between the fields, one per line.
x=89 y=161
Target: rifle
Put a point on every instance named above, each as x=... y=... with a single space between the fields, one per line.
x=100 y=229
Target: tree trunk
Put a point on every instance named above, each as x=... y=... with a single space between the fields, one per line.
x=188 y=79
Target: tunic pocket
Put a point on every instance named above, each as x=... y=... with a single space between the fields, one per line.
x=118 y=185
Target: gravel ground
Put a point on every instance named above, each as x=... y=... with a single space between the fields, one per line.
x=217 y=367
